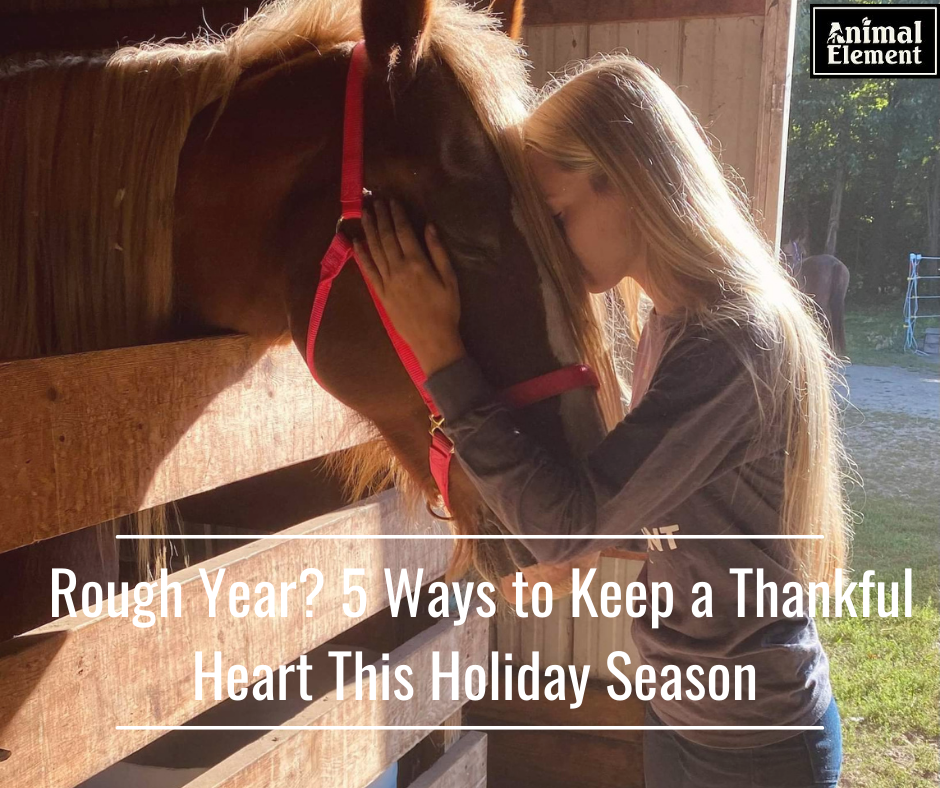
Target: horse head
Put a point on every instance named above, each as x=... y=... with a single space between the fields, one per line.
x=793 y=255
x=257 y=205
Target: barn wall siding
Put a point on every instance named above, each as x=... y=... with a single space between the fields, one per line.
x=712 y=64
x=48 y=6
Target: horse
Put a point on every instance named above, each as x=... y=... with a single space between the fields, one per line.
x=173 y=189
x=825 y=279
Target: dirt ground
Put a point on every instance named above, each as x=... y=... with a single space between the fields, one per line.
x=892 y=429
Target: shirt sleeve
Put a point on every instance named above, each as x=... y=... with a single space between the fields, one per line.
x=698 y=419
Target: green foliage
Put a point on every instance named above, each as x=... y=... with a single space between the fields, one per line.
x=875 y=335
x=885 y=132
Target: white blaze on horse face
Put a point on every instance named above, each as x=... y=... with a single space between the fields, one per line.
x=580 y=411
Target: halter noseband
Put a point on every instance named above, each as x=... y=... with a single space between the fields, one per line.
x=441 y=449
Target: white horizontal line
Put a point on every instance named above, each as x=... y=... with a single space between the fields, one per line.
x=468 y=728
x=621 y=537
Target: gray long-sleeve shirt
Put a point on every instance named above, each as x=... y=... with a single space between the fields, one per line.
x=691 y=457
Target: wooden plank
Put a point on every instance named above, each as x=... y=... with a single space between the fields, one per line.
x=632 y=38
x=67 y=685
x=353 y=758
x=572 y=12
x=611 y=632
x=559 y=759
x=774 y=116
x=571 y=45
x=70 y=30
x=539 y=44
x=735 y=105
x=698 y=58
x=728 y=74
x=750 y=101
x=462 y=766
x=603 y=38
x=546 y=759
x=89 y=437
x=595 y=638
x=665 y=47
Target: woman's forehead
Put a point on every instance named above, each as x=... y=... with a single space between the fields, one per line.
x=557 y=183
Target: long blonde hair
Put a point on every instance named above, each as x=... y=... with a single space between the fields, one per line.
x=615 y=119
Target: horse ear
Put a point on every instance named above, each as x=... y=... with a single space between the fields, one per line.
x=510 y=14
x=394 y=32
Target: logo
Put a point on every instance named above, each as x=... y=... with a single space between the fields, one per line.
x=874 y=40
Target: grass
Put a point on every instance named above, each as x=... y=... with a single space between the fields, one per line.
x=886 y=672
x=875 y=335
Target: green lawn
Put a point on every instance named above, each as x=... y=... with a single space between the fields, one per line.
x=875 y=335
x=886 y=672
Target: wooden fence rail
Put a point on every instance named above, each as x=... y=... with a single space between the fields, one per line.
x=88 y=437
x=464 y=766
x=68 y=684
x=350 y=758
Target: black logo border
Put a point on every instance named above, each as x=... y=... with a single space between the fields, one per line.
x=812 y=31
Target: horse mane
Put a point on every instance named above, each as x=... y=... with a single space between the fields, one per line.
x=89 y=150
x=88 y=167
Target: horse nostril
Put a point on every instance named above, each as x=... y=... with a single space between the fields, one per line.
x=4 y=754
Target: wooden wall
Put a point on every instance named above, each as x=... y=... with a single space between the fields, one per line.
x=712 y=64
x=43 y=6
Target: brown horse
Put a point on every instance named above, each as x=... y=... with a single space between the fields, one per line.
x=171 y=189
x=825 y=279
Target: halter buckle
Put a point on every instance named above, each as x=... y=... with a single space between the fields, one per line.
x=437 y=425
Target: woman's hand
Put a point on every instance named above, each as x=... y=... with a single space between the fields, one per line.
x=419 y=295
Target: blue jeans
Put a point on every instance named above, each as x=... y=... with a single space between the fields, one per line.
x=811 y=759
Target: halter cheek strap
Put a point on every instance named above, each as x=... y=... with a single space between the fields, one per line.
x=441 y=450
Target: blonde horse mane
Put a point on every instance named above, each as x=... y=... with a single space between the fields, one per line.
x=89 y=149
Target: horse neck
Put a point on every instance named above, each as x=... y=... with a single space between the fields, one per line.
x=257 y=195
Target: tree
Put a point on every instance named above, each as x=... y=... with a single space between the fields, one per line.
x=863 y=166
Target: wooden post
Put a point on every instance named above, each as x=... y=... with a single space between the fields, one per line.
x=774 y=121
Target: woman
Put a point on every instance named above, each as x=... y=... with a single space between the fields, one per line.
x=731 y=430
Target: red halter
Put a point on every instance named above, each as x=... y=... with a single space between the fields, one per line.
x=341 y=250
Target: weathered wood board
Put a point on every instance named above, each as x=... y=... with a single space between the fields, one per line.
x=88 y=437
x=774 y=114
x=352 y=758
x=67 y=685
x=713 y=64
x=462 y=766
